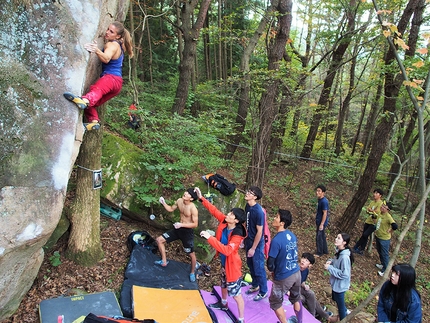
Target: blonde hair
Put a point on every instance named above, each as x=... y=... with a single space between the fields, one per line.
x=125 y=36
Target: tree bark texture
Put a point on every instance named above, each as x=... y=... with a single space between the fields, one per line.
x=190 y=33
x=245 y=86
x=268 y=106
x=84 y=246
x=343 y=44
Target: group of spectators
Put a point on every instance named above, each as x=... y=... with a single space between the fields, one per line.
x=399 y=301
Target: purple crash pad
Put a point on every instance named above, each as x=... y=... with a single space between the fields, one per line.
x=255 y=312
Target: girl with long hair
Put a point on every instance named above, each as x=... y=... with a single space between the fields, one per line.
x=340 y=273
x=399 y=300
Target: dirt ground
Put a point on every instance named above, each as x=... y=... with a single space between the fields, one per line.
x=68 y=278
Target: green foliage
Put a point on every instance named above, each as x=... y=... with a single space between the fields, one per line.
x=204 y=246
x=175 y=147
x=55 y=259
x=358 y=292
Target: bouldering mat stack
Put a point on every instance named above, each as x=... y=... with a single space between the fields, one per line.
x=141 y=271
x=74 y=309
x=168 y=306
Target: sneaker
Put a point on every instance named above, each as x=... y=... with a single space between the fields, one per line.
x=76 y=100
x=219 y=306
x=331 y=313
x=324 y=308
x=348 y=312
x=379 y=266
x=192 y=277
x=252 y=290
x=380 y=273
x=92 y=126
x=259 y=297
x=160 y=263
x=292 y=319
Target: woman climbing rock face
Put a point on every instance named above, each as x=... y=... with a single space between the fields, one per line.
x=109 y=85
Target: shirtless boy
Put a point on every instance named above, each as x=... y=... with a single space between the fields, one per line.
x=183 y=230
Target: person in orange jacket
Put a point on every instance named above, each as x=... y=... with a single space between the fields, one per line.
x=228 y=237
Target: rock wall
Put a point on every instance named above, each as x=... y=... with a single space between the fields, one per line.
x=41 y=56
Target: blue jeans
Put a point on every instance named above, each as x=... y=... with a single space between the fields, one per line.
x=339 y=298
x=256 y=266
x=383 y=248
x=321 y=242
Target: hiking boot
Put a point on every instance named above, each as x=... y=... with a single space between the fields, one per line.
x=81 y=104
x=92 y=126
x=252 y=290
x=219 y=306
x=259 y=297
x=379 y=266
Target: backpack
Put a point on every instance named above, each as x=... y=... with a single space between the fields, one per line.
x=142 y=238
x=92 y=318
x=266 y=233
x=220 y=183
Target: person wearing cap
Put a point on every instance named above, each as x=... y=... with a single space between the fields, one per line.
x=228 y=237
x=373 y=211
x=254 y=243
x=384 y=227
x=183 y=230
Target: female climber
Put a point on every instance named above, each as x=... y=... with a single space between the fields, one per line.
x=117 y=41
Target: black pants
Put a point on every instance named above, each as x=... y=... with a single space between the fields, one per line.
x=367 y=231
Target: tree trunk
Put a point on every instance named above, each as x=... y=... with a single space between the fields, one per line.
x=393 y=83
x=338 y=54
x=371 y=120
x=190 y=34
x=84 y=246
x=245 y=87
x=360 y=122
x=344 y=107
x=278 y=132
x=404 y=148
x=267 y=105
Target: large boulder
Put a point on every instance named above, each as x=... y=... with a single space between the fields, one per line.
x=41 y=56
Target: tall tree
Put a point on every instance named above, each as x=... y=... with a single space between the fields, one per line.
x=190 y=33
x=393 y=83
x=336 y=60
x=245 y=85
x=267 y=104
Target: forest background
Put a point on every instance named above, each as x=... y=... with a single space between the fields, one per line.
x=253 y=87
x=248 y=85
